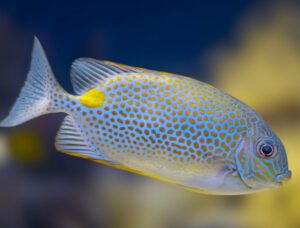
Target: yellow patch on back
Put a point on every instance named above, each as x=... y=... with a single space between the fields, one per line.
x=93 y=98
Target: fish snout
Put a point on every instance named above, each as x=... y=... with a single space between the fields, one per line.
x=284 y=177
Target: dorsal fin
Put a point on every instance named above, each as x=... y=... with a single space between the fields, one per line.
x=87 y=73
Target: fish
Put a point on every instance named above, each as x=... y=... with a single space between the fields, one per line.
x=157 y=124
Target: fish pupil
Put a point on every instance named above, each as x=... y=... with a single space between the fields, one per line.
x=267 y=150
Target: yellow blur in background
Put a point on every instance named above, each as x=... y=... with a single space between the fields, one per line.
x=264 y=72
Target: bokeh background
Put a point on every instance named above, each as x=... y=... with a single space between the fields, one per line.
x=250 y=49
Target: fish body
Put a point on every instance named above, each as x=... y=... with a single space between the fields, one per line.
x=157 y=124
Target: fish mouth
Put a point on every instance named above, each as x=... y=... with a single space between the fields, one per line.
x=280 y=178
x=283 y=177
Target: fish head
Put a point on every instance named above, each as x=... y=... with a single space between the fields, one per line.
x=257 y=162
x=261 y=160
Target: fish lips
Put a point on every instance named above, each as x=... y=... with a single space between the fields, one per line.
x=283 y=177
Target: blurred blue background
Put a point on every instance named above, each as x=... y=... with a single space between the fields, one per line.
x=171 y=35
x=43 y=188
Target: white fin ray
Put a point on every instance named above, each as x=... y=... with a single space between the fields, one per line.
x=34 y=97
x=87 y=73
x=70 y=139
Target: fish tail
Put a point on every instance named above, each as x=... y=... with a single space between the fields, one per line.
x=35 y=97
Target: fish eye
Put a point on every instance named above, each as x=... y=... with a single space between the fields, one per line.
x=266 y=149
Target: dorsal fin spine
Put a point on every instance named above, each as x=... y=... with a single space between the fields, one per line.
x=87 y=73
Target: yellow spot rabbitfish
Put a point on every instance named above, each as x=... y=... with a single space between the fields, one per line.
x=157 y=124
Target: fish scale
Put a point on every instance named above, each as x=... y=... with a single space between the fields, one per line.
x=158 y=124
x=150 y=126
x=150 y=121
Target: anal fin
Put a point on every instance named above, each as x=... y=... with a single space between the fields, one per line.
x=71 y=140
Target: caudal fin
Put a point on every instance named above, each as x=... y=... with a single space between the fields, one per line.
x=34 y=98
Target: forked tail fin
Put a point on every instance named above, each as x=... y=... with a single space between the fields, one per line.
x=34 y=98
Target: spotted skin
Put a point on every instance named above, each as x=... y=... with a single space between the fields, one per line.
x=157 y=124
x=167 y=125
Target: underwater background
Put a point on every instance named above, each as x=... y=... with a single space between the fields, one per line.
x=250 y=49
